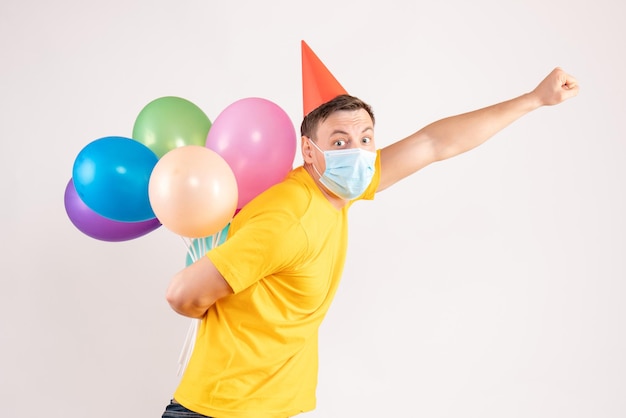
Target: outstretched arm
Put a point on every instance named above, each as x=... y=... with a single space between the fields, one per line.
x=457 y=134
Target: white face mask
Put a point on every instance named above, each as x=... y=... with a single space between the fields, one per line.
x=348 y=171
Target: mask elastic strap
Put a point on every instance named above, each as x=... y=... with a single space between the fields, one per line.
x=320 y=150
x=315 y=145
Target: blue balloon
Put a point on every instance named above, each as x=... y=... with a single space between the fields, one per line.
x=111 y=176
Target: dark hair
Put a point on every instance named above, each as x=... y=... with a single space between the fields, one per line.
x=322 y=112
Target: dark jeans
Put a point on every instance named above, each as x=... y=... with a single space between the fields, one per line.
x=176 y=410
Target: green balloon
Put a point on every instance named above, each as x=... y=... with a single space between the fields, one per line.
x=171 y=122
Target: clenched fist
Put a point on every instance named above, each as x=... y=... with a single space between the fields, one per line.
x=557 y=87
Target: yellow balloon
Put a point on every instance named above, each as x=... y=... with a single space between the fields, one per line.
x=193 y=191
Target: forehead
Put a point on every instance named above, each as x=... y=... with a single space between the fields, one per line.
x=345 y=121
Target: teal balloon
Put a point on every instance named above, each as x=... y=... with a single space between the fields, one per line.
x=199 y=246
x=171 y=122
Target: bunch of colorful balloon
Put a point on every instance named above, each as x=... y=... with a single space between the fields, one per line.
x=179 y=170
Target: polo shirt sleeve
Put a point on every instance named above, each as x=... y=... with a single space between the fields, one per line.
x=269 y=243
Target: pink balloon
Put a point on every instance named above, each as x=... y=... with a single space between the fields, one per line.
x=258 y=141
x=193 y=191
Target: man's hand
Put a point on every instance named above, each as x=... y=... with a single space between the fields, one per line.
x=557 y=87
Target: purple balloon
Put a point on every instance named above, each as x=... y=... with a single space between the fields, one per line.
x=99 y=227
x=258 y=141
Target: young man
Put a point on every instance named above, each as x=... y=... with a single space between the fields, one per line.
x=263 y=294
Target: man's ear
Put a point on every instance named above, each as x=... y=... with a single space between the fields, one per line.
x=307 y=149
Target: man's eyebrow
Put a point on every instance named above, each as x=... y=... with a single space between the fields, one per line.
x=339 y=131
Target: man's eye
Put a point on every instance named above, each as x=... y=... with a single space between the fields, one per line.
x=366 y=140
x=340 y=142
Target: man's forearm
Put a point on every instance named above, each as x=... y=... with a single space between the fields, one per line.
x=457 y=134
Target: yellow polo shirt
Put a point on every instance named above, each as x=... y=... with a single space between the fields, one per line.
x=256 y=351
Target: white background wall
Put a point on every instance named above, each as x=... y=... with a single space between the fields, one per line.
x=490 y=285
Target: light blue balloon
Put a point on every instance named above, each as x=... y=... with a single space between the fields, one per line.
x=200 y=246
x=111 y=176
